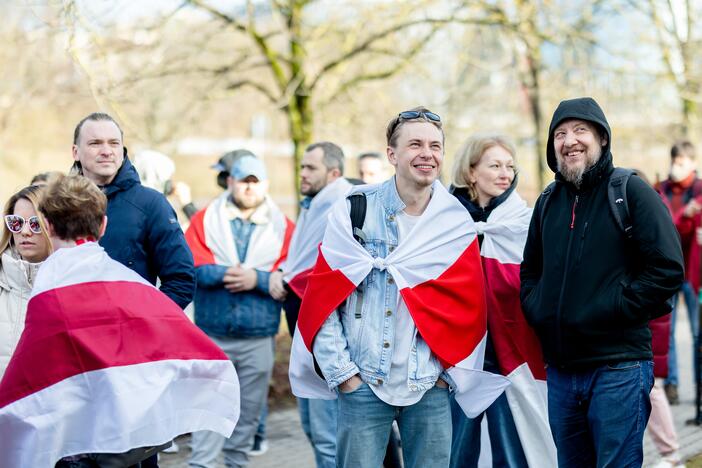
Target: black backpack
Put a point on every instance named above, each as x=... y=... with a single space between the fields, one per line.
x=616 y=195
x=358 y=216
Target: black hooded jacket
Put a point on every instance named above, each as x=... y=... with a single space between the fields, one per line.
x=587 y=290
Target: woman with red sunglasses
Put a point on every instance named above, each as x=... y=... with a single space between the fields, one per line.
x=24 y=245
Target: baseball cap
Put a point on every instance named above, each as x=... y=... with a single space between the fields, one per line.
x=248 y=166
x=229 y=158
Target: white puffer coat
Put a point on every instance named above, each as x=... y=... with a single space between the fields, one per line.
x=16 y=278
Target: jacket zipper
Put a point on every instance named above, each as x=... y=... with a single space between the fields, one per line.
x=559 y=337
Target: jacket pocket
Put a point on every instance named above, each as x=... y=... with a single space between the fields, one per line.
x=530 y=305
x=581 y=244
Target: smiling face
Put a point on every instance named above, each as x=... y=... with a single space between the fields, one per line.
x=31 y=246
x=99 y=150
x=417 y=155
x=578 y=146
x=493 y=174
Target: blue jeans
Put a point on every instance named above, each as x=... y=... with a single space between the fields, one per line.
x=598 y=416
x=504 y=439
x=365 y=422
x=694 y=319
x=319 y=419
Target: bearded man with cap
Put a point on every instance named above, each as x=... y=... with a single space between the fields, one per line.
x=589 y=291
x=237 y=241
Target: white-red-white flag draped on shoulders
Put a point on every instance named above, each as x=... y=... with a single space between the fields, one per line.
x=437 y=270
x=516 y=345
x=308 y=235
x=107 y=363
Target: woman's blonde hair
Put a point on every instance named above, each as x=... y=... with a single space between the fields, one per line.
x=469 y=155
x=33 y=195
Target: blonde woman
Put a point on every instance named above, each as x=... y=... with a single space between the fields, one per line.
x=484 y=181
x=24 y=245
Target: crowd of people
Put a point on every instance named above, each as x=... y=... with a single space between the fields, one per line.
x=431 y=326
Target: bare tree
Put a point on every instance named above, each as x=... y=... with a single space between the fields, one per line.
x=676 y=30
x=530 y=25
x=310 y=61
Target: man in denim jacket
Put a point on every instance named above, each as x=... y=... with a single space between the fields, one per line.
x=369 y=349
x=237 y=241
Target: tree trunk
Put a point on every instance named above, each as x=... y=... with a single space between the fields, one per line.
x=300 y=119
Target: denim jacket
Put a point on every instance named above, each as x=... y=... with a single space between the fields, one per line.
x=358 y=337
x=245 y=314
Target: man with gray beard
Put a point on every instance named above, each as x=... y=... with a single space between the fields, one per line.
x=589 y=290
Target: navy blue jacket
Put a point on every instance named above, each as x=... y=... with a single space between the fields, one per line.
x=144 y=235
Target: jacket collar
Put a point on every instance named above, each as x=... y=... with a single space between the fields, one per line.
x=392 y=203
x=477 y=212
x=16 y=273
x=126 y=177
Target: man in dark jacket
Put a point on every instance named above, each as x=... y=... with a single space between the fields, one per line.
x=589 y=292
x=142 y=229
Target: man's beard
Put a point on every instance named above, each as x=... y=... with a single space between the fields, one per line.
x=244 y=204
x=574 y=175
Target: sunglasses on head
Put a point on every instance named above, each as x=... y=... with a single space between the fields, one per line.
x=15 y=223
x=411 y=115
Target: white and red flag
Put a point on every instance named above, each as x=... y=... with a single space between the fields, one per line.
x=211 y=240
x=437 y=270
x=308 y=235
x=516 y=345
x=107 y=363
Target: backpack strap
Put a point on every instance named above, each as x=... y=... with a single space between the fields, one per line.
x=545 y=197
x=358 y=216
x=618 y=203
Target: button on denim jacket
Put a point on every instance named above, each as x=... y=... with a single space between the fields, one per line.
x=358 y=337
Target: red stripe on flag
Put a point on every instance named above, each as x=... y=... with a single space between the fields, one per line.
x=514 y=340
x=289 y=228
x=326 y=290
x=96 y=325
x=449 y=311
x=195 y=237
x=299 y=282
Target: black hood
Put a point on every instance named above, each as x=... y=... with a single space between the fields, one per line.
x=579 y=108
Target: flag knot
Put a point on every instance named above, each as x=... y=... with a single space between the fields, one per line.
x=379 y=263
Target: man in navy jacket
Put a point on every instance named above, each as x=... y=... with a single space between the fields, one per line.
x=142 y=229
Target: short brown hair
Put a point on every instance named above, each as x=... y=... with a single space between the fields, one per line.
x=33 y=195
x=683 y=148
x=95 y=116
x=393 y=129
x=74 y=206
x=469 y=155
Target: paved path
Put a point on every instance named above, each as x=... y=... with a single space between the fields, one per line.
x=289 y=447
